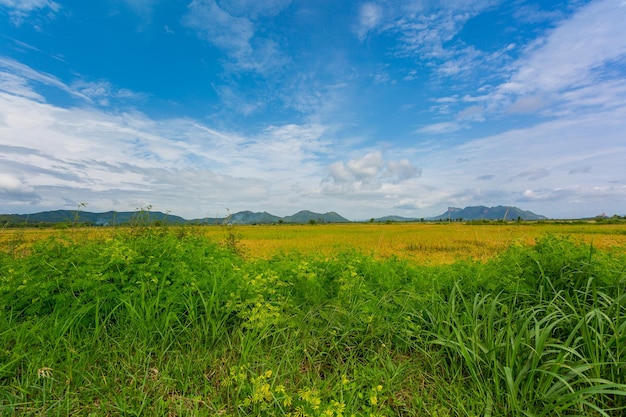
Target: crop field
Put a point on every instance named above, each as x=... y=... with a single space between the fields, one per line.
x=423 y=243
x=314 y=320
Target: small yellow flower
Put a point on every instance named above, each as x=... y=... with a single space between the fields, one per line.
x=374 y=400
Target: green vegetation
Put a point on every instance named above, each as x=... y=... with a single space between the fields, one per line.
x=163 y=321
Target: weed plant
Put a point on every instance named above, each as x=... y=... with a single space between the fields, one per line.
x=163 y=321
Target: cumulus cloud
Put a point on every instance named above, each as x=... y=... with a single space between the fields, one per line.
x=402 y=170
x=370 y=172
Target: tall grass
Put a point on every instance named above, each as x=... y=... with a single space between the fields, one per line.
x=162 y=321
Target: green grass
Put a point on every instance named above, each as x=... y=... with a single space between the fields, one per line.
x=161 y=321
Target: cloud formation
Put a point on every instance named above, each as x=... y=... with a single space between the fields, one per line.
x=230 y=26
x=370 y=16
x=19 y=10
x=370 y=172
x=128 y=156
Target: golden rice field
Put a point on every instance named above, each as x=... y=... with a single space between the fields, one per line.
x=424 y=243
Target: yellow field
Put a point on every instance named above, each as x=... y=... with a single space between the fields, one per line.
x=425 y=243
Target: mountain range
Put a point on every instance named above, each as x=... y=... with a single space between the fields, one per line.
x=111 y=218
x=472 y=213
x=249 y=217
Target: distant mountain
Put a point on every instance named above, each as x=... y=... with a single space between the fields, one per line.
x=99 y=219
x=306 y=216
x=248 y=217
x=111 y=218
x=488 y=213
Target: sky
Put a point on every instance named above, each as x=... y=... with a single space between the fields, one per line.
x=367 y=108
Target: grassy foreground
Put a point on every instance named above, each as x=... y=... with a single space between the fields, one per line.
x=158 y=321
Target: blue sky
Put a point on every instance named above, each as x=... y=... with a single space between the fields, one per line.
x=367 y=108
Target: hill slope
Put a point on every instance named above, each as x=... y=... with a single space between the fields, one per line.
x=306 y=216
x=488 y=213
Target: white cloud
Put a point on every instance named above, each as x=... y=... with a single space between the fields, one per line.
x=17 y=85
x=529 y=104
x=567 y=72
x=471 y=113
x=10 y=183
x=369 y=175
x=575 y=160
x=365 y=169
x=571 y=57
x=402 y=170
x=107 y=159
x=26 y=6
x=424 y=30
x=229 y=26
x=19 y=79
x=14 y=189
x=218 y=27
x=19 y=10
x=102 y=91
x=440 y=128
x=370 y=16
